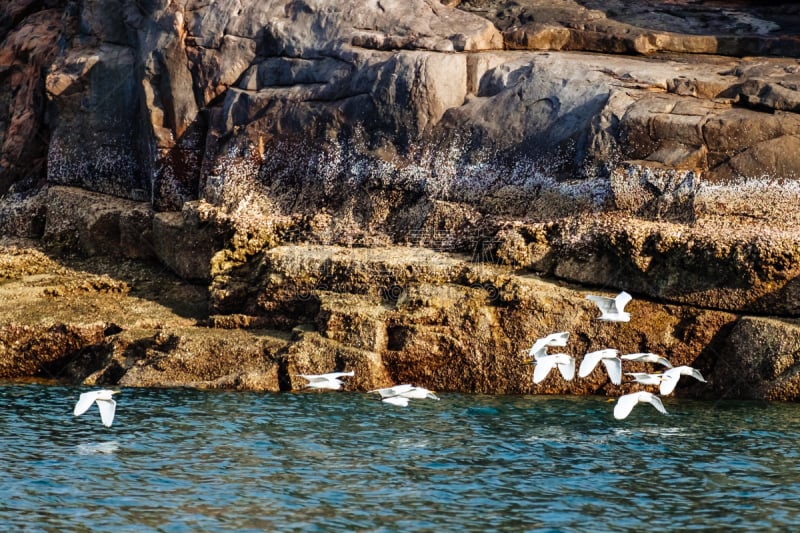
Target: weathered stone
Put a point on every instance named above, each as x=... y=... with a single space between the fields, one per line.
x=761 y=362
x=96 y=224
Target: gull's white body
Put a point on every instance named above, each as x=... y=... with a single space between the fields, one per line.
x=671 y=376
x=105 y=404
x=609 y=358
x=406 y=391
x=539 y=348
x=612 y=309
x=647 y=357
x=646 y=379
x=326 y=381
x=627 y=402
x=564 y=362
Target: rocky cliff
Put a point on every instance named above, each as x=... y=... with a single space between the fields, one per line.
x=415 y=190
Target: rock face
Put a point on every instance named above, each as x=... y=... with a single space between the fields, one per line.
x=326 y=166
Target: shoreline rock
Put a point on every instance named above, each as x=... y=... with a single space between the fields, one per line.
x=228 y=194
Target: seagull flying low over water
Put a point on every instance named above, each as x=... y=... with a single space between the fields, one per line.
x=612 y=309
x=539 y=348
x=671 y=376
x=105 y=404
x=626 y=403
x=400 y=394
x=564 y=362
x=325 y=381
x=646 y=379
x=646 y=357
x=609 y=358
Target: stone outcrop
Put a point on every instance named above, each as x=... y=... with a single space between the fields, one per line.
x=401 y=188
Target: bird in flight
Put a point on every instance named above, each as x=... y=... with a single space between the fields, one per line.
x=627 y=402
x=609 y=358
x=105 y=403
x=612 y=309
x=671 y=376
x=330 y=381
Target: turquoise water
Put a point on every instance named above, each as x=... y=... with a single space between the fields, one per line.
x=186 y=460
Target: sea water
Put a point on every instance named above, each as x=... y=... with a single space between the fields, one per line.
x=187 y=460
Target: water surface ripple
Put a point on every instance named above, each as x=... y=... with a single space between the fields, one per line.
x=186 y=460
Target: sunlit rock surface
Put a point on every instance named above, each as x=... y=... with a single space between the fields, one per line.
x=377 y=184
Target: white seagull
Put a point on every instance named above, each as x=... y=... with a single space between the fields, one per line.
x=105 y=404
x=646 y=379
x=326 y=381
x=647 y=357
x=671 y=376
x=539 y=348
x=610 y=360
x=564 y=362
x=612 y=308
x=396 y=400
x=406 y=391
x=626 y=402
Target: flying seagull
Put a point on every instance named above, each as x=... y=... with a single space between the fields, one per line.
x=406 y=391
x=646 y=379
x=609 y=358
x=612 y=309
x=671 y=376
x=646 y=357
x=105 y=404
x=626 y=403
x=539 y=348
x=564 y=362
x=330 y=381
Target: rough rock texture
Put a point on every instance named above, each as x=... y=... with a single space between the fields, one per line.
x=379 y=181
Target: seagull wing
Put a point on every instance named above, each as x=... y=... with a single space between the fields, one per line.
x=337 y=375
x=107 y=409
x=590 y=361
x=614 y=368
x=621 y=301
x=539 y=349
x=314 y=378
x=668 y=381
x=606 y=305
x=566 y=365
x=647 y=358
x=543 y=367
x=625 y=405
x=655 y=401
x=84 y=402
x=689 y=371
x=396 y=400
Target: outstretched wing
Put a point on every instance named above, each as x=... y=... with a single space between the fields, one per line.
x=543 y=367
x=337 y=375
x=539 y=347
x=625 y=405
x=590 y=361
x=84 y=402
x=107 y=409
x=647 y=357
x=669 y=379
x=606 y=305
x=655 y=401
x=621 y=301
x=396 y=400
x=614 y=368
x=689 y=371
x=566 y=365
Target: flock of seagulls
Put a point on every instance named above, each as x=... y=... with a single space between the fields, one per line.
x=612 y=309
